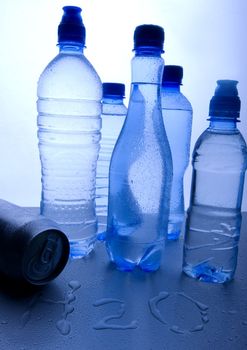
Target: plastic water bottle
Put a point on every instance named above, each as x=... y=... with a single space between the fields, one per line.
x=214 y=216
x=177 y=115
x=69 y=122
x=113 y=116
x=141 y=165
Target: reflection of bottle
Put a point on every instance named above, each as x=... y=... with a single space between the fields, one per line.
x=141 y=166
x=113 y=116
x=177 y=115
x=69 y=108
x=214 y=216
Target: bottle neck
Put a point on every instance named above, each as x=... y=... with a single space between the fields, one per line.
x=145 y=98
x=225 y=124
x=147 y=66
x=118 y=100
x=171 y=87
x=71 y=47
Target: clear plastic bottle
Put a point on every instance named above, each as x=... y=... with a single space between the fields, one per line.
x=141 y=165
x=113 y=115
x=177 y=116
x=214 y=215
x=69 y=122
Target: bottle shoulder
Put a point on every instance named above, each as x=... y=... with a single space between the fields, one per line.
x=174 y=100
x=222 y=145
x=69 y=76
x=220 y=136
x=114 y=109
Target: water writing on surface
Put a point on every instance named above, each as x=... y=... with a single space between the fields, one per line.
x=153 y=306
x=108 y=322
x=103 y=324
x=63 y=325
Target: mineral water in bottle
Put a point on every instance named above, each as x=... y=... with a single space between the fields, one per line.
x=141 y=165
x=69 y=122
x=214 y=215
x=177 y=116
x=113 y=116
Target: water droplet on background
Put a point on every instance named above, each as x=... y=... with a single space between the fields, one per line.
x=74 y=285
x=63 y=326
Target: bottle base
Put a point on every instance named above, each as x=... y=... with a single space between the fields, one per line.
x=127 y=256
x=173 y=235
x=174 y=230
x=102 y=226
x=82 y=236
x=80 y=248
x=206 y=273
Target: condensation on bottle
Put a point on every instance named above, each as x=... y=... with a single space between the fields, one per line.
x=69 y=122
x=113 y=115
x=214 y=216
x=177 y=116
x=141 y=165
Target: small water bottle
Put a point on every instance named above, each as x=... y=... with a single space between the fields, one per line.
x=69 y=123
x=141 y=165
x=214 y=215
x=177 y=116
x=113 y=116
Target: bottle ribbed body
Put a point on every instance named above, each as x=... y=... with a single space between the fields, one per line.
x=69 y=109
x=214 y=215
x=177 y=116
x=140 y=175
x=113 y=116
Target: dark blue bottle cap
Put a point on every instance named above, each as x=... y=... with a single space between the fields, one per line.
x=149 y=35
x=172 y=74
x=71 y=28
x=113 y=89
x=225 y=102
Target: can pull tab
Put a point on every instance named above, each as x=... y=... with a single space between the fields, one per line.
x=49 y=250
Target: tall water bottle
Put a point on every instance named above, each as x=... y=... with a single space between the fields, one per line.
x=113 y=115
x=177 y=116
x=141 y=165
x=214 y=215
x=69 y=122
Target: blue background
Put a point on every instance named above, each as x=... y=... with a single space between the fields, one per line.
x=206 y=37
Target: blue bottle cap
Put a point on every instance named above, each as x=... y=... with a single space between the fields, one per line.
x=71 y=28
x=172 y=74
x=149 y=35
x=113 y=89
x=225 y=102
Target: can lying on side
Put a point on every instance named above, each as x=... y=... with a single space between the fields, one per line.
x=32 y=248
